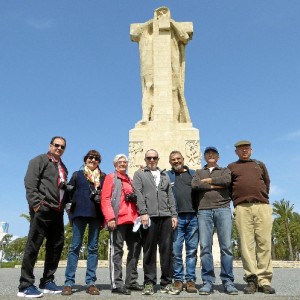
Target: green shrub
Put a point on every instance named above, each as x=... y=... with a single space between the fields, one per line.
x=10 y=264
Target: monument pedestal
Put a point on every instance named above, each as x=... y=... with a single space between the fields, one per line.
x=163 y=136
x=166 y=123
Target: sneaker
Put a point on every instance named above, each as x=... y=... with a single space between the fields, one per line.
x=206 y=288
x=92 y=290
x=50 y=288
x=251 y=288
x=230 y=289
x=30 y=292
x=148 y=289
x=176 y=288
x=191 y=287
x=165 y=289
x=67 y=291
x=266 y=289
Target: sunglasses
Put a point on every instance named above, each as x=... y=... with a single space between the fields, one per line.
x=96 y=158
x=152 y=158
x=59 y=146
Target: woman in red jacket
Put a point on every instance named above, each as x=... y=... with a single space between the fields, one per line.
x=118 y=204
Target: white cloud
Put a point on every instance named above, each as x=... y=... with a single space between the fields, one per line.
x=276 y=191
x=41 y=24
x=292 y=136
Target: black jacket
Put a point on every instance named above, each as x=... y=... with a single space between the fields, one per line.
x=41 y=183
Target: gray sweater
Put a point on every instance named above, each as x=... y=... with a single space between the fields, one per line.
x=209 y=198
x=156 y=202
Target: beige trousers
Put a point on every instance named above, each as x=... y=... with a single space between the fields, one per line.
x=254 y=224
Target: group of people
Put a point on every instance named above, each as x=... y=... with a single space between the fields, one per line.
x=155 y=208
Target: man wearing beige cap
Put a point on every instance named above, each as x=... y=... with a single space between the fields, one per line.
x=253 y=215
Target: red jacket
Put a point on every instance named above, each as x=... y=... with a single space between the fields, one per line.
x=127 y=210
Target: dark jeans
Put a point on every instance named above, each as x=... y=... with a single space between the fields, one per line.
x=123 y=233
x=159 y=233
x=45 y=223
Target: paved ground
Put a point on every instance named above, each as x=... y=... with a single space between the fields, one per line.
x=286 y=282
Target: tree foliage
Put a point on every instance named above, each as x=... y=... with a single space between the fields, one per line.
x=286 y=231
x=15 y=249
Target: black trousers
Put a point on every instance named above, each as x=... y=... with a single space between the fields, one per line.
x=160 y=234
x=123 y=233
x=49 y=224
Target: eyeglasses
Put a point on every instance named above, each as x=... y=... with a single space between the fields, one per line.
x=96 y=158
x=122 y=162
x=152 y=158
x=59 y=146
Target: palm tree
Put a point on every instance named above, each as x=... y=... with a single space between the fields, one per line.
x=25 y=216
x=284 y=211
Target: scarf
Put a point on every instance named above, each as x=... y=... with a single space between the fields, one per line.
x=92 y=176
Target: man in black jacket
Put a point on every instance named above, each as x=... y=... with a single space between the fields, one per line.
x=45 y=184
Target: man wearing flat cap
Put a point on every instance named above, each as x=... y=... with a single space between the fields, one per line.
x=212 y=183
x=250 y=185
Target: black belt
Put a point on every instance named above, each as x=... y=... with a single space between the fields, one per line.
x=251 y=201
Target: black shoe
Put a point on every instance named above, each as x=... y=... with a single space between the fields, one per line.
x=121 y=290
x=135 y=287
x=266 y=289
x=251 y=288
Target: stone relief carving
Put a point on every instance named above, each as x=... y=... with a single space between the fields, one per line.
x=136 y=154
x=192 y=153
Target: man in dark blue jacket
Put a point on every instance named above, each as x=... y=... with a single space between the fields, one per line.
x=187 y=228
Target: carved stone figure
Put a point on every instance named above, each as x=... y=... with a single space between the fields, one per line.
x=162 y=39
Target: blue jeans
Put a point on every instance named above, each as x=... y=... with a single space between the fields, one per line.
x=208 y=219
x=78 y=228
x=187 y=230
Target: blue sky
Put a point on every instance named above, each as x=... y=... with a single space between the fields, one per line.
x=69 y=68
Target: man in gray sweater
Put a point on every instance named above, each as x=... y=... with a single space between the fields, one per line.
x=212 y=183
x=157 y=210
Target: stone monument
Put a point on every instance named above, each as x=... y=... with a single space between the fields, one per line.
x=166 y=123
